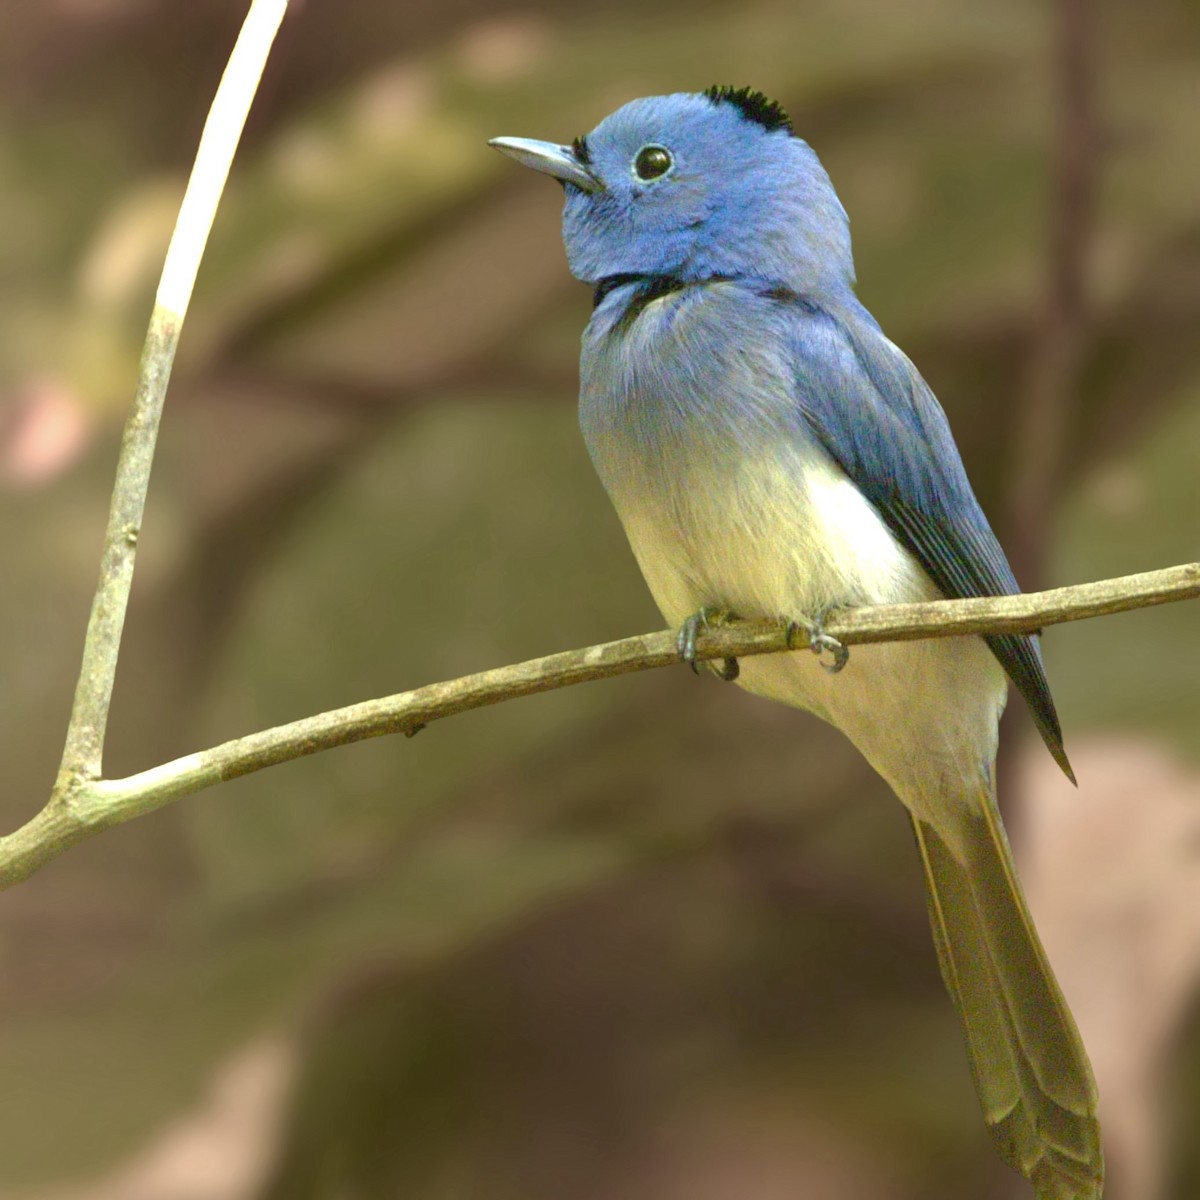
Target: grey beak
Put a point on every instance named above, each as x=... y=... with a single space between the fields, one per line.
x=558 y=161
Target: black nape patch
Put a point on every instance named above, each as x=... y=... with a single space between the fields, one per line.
x=754 y=106
x=579 y=148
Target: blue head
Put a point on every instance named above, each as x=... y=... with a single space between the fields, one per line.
x=696 y=185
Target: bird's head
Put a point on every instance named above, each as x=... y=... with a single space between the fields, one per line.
x=696 y=185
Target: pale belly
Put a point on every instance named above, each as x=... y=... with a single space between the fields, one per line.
x=787 y=535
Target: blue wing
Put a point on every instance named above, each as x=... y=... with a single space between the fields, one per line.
x=875 y=415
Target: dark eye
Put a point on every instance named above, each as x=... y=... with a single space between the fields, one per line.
x=651 y=162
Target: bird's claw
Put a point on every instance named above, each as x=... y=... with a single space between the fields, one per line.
x=689 y=633
x=819 y=642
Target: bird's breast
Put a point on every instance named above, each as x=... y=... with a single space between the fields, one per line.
x=691 y=419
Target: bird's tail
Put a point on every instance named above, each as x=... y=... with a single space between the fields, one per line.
x=1031 y=1071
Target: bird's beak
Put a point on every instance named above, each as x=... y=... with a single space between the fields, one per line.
x=559 y=161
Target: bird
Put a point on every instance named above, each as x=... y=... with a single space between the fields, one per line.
x=772 y=454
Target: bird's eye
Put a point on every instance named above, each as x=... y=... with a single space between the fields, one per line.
x=651 y=162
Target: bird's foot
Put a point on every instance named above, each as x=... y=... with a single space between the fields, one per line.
x=690 y=631
x=819 y=642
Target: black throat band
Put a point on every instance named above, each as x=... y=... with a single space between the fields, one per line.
x=653 y=287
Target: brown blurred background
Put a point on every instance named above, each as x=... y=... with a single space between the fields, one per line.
x=644 y=940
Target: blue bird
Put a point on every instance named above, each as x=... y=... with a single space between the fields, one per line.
x=771 y=453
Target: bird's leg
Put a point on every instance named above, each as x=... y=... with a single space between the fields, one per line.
x=819 y=642
x=689 y=631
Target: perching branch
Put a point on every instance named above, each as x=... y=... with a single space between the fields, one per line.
x=84 y=749
x=97 y=804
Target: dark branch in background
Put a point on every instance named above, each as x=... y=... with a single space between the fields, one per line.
x=98 y=804
x=347 y=276
x=379 y=402
x=1051 y=398
x=1060 y=339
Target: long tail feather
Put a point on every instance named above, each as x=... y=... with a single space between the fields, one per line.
x=1031 y=1071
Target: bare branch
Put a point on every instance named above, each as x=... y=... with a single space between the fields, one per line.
x=95 y=805
x=84 y=748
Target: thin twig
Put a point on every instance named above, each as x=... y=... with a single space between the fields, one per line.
x=98 y=804
x=83 y=751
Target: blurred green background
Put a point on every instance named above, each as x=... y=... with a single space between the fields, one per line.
x=649 y=938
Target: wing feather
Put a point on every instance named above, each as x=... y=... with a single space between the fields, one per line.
x=877 y=418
